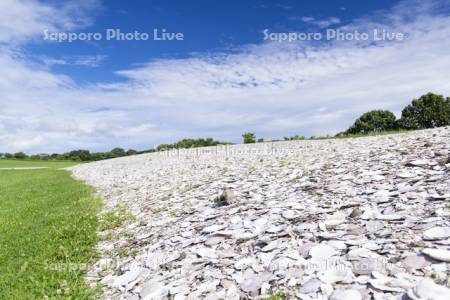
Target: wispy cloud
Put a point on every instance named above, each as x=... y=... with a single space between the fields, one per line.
x=21 y=20
x=76 y=60
x=273 y=89
x=284 y=6
x=321 y=23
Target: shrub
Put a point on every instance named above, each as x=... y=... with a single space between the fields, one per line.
x=20 y=155
x=249 y=138
x=373 y=121
x=191 y=143
x=131 y=152
x=294 y=138
x=428 y=111
x=118 y=152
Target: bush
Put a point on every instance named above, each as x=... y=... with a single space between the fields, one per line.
x=131 y=152
x=249 y=138
x=78 y=155
x=117 y=152
x=373 y=121
x=294 y=138
x=428 y=111
x=190 y=143
x=20 y=155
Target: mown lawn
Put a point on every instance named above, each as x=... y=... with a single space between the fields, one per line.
x=12 y=163
x=48 y=227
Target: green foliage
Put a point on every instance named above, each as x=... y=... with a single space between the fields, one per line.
x=190 y=143
x=115 y=218
x=428 y=111
x=20 y=155
x=75 y=155
x=123 y=252
x=294 y=138
x=249 y=138
x=48 y=225
x=373 y=121
x=118 y=152
x=279 y=295
x=85 y=155
x=35 y=157
x=131 y=152
x=344 y=135
x=78 y=155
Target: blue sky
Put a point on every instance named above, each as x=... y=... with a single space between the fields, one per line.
x=222 y=79
x=208 y=26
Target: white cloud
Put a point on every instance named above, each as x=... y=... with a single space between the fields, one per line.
x=321 y=23
x=87 y=60
x=272 y=89
x=76 y=60
x=307 y=19
x=21 y=20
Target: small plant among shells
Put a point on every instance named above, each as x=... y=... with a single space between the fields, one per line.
x=278 y=295
x=115 y=218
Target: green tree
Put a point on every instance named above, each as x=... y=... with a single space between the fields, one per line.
x=190 y=143
x=373 y=121
x=164 y=147
x=83 y=155
x=131 y=152
x=55 y=156
x=294 y=138
x=249 y=138
x=20 y=155
x=428 y=111
x=98 y=156
x=118 y=152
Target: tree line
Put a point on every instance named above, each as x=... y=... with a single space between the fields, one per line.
x=191 y=143
x=86 y=155
x=428 y=111
x=75 y=155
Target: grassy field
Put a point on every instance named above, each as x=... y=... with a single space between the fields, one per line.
x=48 y=225
x=12 y=163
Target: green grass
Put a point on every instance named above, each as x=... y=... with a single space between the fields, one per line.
x=115 y=218
x=12 y=163
x=48 y=225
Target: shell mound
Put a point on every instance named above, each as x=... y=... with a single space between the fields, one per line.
x=342 y=218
